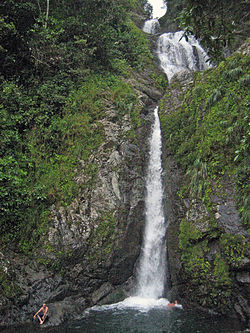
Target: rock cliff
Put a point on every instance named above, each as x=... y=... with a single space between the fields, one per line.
x=90 y=247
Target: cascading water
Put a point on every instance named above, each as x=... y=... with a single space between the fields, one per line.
x=176 y=54
x=151 y=26
x=174 y=51
x=151 y=272
x=159 y=9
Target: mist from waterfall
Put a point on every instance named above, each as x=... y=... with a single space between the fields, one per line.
x=152 y=264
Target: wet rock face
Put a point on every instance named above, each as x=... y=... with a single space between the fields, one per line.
x=225 y=210
x=92 y=245
x=197 y=235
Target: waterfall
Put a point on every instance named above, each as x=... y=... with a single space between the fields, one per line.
x=151 y=26
x=176 y=54
x=151 y=271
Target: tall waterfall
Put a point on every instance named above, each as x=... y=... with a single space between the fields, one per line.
x=151 y=272
x=175 y=54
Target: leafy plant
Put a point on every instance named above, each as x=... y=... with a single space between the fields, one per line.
x=234 y=247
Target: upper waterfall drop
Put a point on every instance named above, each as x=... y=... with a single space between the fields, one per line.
x=159 y=9
x=151 y=26
x=174 y=51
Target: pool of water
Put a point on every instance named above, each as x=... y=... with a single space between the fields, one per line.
x=124 y=318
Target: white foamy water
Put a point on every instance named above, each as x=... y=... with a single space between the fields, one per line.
x=152 y=264
x=137 y=303
x=177 y=54
x=159 y=8
x=151 y=26
x=141 y=304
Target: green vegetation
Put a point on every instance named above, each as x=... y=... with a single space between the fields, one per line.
x=217 y=23
x=234 y=248
x=7 y=286
x=211 y=277
x=102 y=238
x=58 y=73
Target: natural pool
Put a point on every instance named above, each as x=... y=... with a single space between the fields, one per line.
x=121 y=318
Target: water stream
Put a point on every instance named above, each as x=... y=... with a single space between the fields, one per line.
x=152 y=270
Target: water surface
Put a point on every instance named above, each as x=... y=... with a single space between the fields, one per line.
x=132 y=320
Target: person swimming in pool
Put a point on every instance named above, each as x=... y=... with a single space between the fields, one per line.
x=171 y=305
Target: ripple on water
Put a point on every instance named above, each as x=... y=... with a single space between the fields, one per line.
x=137 y=303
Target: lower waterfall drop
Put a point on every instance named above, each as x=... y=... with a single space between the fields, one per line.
x=152 y=263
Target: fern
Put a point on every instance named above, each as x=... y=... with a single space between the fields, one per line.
x=233 y=74
x=217 y=94
x=244 y=81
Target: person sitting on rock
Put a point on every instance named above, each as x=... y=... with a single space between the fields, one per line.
x=171 y=305
x=42 y=314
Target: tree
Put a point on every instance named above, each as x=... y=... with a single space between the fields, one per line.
x=216 y=23
x=47 y=14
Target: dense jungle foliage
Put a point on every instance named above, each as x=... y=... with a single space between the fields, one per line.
x=60 y=61
x=218 y=24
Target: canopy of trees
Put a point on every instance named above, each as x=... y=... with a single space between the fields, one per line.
x=217 y=23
